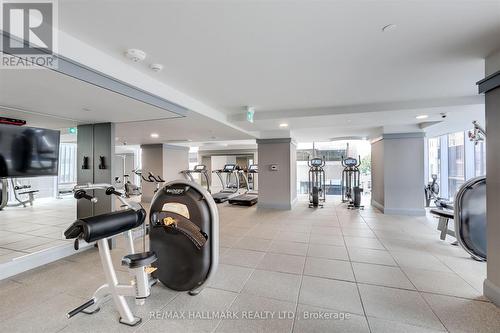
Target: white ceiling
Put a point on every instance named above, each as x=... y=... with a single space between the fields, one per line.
x=299 y=54
x=48 y=99
x=323 y=67
x=293 y=54
x=193 y=128
x=47 y=92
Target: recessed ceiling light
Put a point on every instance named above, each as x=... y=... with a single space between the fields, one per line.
x=389 y=27
x=422 y=116
x=283 y=125
x=155 y=135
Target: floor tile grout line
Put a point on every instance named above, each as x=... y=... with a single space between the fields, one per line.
x=459 y=275
x=357 y=287
x=300 y=289
x=423 y=298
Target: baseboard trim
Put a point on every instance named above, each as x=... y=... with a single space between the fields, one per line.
x=378 y=205
x=285 y=206
x=492 y=292
x=405 y=211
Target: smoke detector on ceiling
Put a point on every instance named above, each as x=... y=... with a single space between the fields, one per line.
x=135 y=55
x=156 y=67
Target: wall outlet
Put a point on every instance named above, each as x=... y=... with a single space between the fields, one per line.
x=274 y=167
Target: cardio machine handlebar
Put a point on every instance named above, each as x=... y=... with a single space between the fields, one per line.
x=152 y=178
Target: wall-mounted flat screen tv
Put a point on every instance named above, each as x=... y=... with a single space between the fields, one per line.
x=28 y=151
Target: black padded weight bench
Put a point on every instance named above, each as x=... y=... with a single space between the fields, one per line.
x=444 y=216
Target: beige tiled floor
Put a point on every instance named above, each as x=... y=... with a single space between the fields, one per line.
x=389 y=273
x=32 y=229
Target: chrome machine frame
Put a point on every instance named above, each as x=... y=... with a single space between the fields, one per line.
x=201 y=169
x=140 y=288
x=226 y=192
x=317 y=182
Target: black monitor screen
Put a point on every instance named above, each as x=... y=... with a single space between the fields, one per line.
x=316 y=162
x=28 y=151
x=229 y=168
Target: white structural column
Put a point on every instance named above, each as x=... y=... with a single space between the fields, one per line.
x=491 y=88
x=398 y=173
x=277 y=173
x=162 y=160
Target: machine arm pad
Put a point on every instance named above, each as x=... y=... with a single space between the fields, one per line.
x=181 y=224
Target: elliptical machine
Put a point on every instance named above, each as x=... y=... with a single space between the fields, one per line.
x=351 y=191
x=317 y=186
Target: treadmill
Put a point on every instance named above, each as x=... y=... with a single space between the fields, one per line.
x=250 y=197
x=201 y=169
x=228 y=190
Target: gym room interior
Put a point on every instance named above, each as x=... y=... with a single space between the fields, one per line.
x=250 y=166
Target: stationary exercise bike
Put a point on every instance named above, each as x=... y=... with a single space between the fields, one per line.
x=184 y=244
x=351 y=190
x=317 y=187
x=153 y=179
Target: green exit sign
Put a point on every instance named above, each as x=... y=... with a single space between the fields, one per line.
x=250 y=113
x=72 y=130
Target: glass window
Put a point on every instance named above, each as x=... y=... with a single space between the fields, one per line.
x=480 y=159
x=332 y=152
x=456 y=162
x=67 y=163
x=434 y=145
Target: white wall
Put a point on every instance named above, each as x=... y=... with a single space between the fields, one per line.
x=492 y=283
x=152 y=161
x=492 y=64
x=217 y=163
x=275 y=187
x=377 y=170
x=404 y=176
x=398 y=174
x=175 y=159
x=293 y=172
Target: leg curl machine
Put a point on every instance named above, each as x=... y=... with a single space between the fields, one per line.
x=184 y=244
